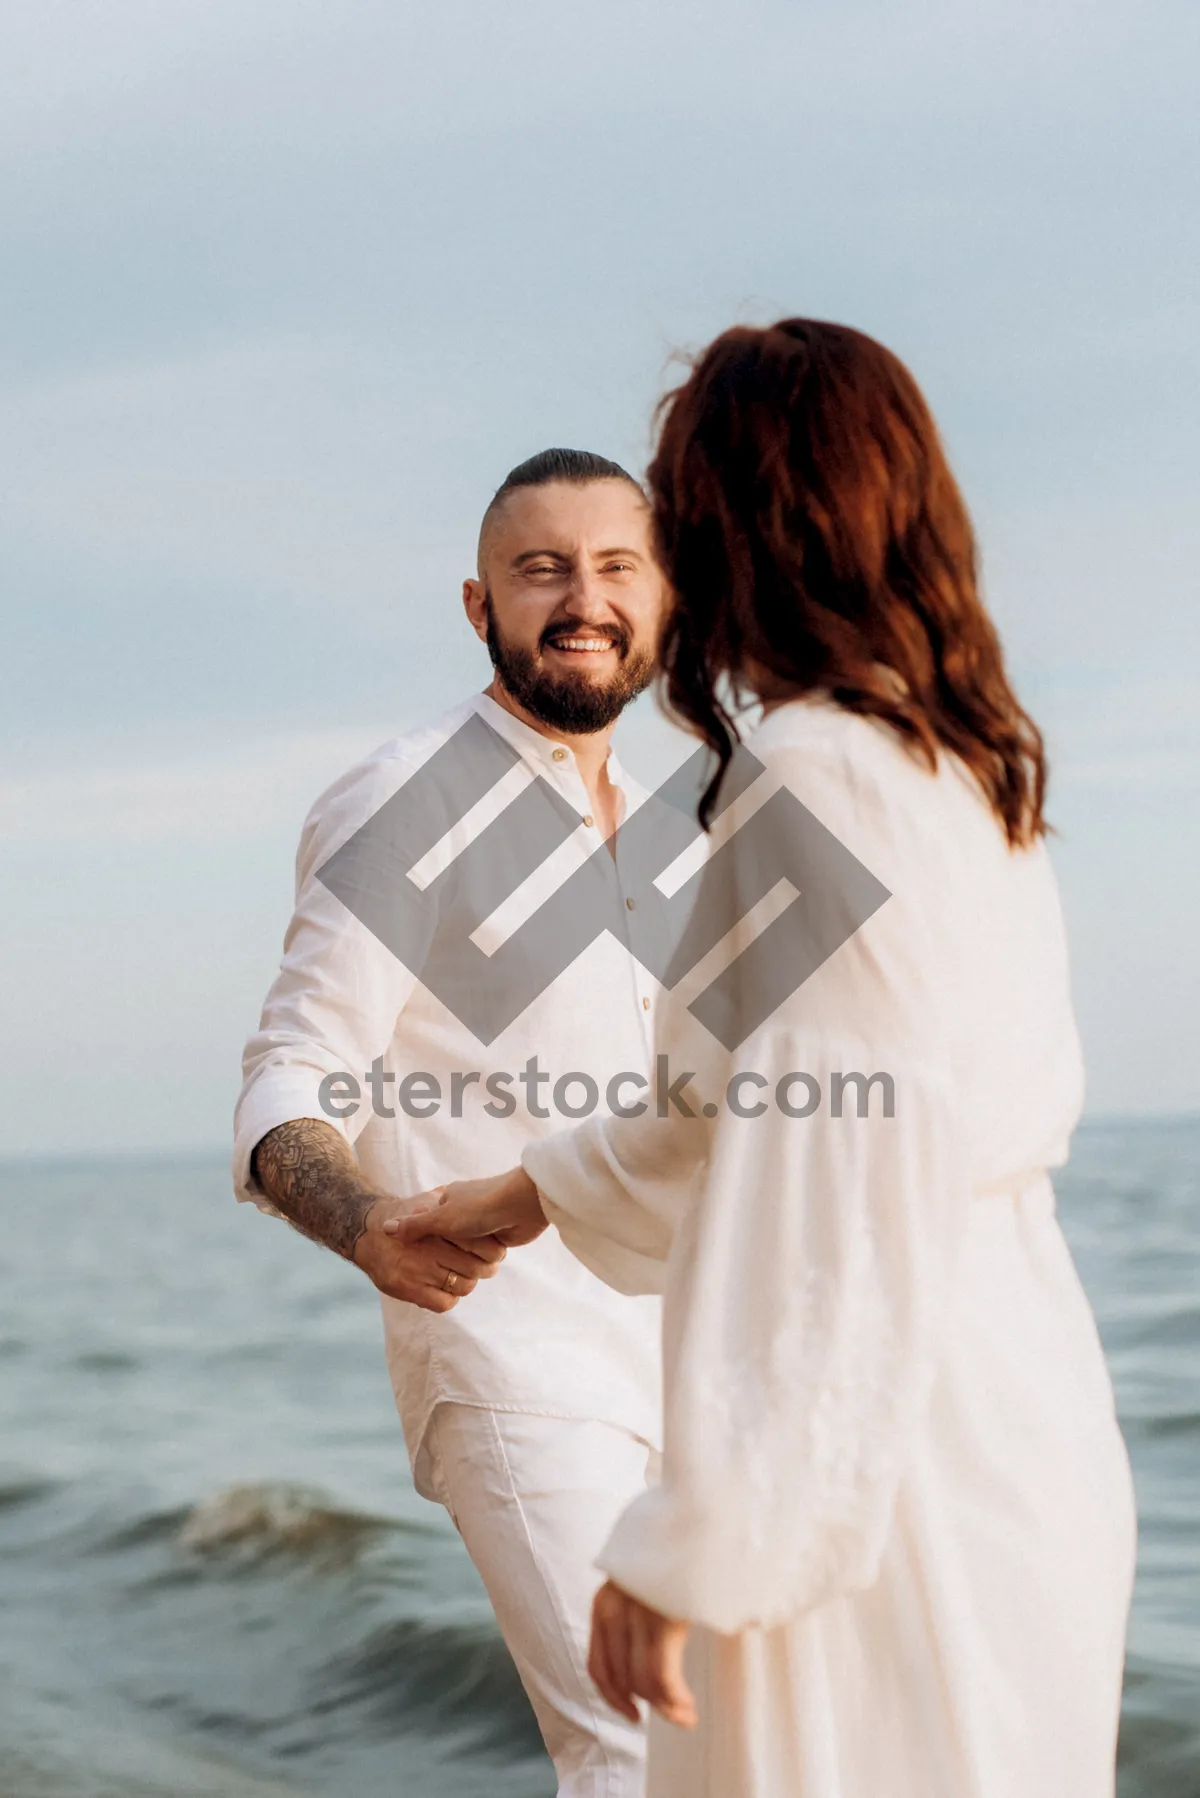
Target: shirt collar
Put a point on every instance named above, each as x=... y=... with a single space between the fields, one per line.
x=534 y=747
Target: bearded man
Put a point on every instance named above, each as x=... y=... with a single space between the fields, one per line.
x=532 y=1413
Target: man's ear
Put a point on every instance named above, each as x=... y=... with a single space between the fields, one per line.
x=475 y=606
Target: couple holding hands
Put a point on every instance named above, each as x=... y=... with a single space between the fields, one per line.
x=789 y=1419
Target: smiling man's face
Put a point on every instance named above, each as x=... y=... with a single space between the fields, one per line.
x=569 y=600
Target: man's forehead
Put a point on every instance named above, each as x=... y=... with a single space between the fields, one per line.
x=565 y=513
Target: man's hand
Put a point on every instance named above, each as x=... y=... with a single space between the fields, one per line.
x=431 y=1271
x=505 y=1208
x=638 y=1653
x=308 y=1171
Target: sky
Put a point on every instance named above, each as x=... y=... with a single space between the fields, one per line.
x=287 y=288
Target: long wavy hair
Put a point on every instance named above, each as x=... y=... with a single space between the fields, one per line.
x=817 y=542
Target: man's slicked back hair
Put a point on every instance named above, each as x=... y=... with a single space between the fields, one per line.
x=576 y=466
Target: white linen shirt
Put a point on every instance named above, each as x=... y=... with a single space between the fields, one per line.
x=544 y=1335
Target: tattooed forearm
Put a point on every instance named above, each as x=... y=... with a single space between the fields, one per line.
x=308 y=1171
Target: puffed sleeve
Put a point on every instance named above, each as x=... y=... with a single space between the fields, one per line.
x=614 y=1189
x=808 y=1255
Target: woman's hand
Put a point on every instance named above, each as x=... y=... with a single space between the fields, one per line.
x=505 y=1207
x=429 y=1271
x=638 y=1653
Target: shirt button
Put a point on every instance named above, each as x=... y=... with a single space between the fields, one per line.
x=629 y=905
x=588 y=819
x=559 y=755
x=645 y=1004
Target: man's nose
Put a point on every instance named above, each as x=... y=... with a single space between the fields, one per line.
x=586 y=598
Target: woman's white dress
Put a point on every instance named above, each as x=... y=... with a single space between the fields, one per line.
x=895 y=1500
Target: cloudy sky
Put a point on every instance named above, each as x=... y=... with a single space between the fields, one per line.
x=287 y=288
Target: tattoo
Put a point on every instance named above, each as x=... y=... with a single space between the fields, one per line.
x=308 y=1171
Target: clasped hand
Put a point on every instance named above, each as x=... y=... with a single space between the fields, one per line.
x=503 y=1210
x=432 y=1271
x=433 y=1250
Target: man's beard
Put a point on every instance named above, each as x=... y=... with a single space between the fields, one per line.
x=576 y=704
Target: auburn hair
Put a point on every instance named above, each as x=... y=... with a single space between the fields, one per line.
x=816 y=541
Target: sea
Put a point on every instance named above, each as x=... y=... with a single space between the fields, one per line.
x=216 y=1580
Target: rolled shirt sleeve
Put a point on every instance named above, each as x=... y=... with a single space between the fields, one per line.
x=334 y=1004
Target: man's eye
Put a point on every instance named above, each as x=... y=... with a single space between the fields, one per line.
x=618 y=567
x=542 y=568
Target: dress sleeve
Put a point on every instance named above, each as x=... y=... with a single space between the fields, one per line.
x=803 y=1294
x=808 y=1255
x=614 y=1189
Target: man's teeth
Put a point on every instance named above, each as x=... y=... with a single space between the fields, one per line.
x=596 y=643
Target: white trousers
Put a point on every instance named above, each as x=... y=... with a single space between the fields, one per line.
x=534 y=1499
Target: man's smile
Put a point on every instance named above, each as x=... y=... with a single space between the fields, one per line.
x=591 y=647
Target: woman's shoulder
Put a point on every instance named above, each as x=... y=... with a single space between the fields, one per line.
x=815 y=739
x=820 y=725
x=862 y=775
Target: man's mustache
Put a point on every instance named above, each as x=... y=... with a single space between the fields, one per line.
x=616 y=634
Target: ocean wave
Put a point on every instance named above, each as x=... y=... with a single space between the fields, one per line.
x=386 y=1676
x=267 y=1627
x=252 y=1521
x=1166 y=1425
x=271 y=1517
x=451 y=1677
x=28 y=1490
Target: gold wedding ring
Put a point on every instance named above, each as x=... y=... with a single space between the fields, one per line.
x=451 y=1280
